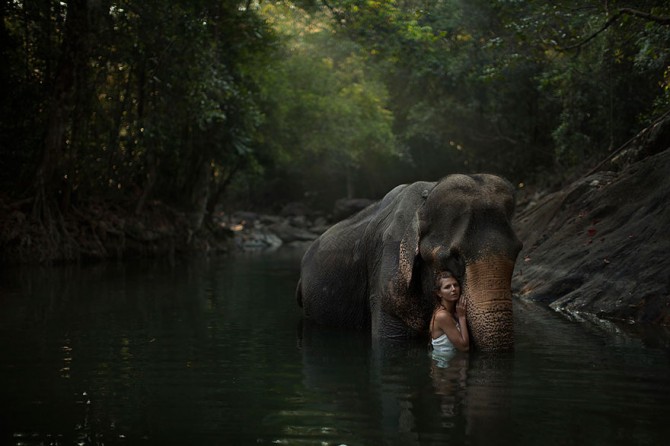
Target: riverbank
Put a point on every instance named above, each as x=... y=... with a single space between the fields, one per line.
x=98 y=231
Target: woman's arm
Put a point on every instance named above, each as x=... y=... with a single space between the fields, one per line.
x=463 y=323
x=446 y=322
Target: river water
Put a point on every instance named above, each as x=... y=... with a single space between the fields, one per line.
x=212 y=351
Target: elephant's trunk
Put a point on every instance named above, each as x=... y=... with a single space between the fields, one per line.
x=488 y=293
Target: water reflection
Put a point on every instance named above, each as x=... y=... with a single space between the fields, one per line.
x=489 y=402
x=385 y=401
x=335 y=377
x=213 y=352
x=449 y=373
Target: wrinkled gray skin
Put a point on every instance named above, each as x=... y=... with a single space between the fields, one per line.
x=376 y=269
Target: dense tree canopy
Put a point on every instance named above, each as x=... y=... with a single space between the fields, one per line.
x=257 y=103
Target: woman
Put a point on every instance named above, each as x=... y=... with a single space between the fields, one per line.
x=448 y=327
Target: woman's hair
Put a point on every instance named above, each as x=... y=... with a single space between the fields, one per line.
x=443 y=275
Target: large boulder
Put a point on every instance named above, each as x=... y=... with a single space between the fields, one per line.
x=289 y=233
x=600 y=246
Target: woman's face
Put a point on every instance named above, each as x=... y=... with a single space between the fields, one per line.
x=449 y=289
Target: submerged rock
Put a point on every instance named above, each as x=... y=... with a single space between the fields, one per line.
x=258 y=240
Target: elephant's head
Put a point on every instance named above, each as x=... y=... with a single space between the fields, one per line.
x=464 y=226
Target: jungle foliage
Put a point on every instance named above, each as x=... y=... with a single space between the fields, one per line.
x=257 y=103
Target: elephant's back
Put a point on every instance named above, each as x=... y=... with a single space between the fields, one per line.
x=339 y=267
x=333 y=283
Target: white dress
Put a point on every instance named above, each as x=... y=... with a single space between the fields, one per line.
x=443 y=350
x=442 y=344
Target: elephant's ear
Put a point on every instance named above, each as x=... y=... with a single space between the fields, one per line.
x=400 y=300
x=401 y=251
x=409 y=250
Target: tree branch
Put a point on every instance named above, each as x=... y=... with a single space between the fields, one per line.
x=665 y=21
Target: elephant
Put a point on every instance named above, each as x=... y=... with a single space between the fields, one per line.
x=376 y=269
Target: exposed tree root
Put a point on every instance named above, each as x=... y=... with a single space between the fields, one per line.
x=34 y=231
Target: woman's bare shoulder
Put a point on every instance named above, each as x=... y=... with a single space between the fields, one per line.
x=443 y=316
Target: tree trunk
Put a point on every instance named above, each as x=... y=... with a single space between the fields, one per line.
x=152 y=174
x=349 y=178
x=200 y=195
x=60 y=104
x=217 y=194
x=151 y=158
